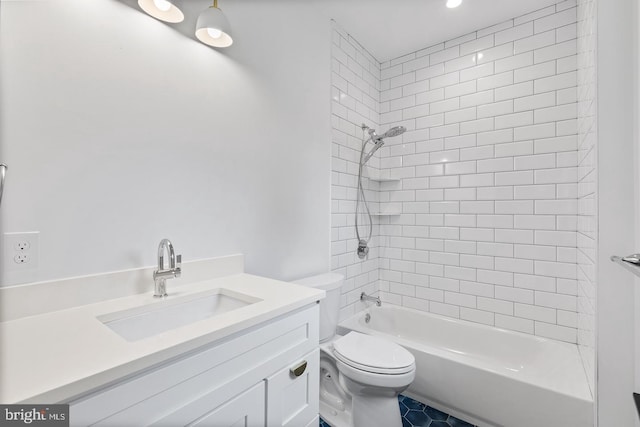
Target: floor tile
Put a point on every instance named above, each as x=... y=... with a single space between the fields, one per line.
x=417 y=414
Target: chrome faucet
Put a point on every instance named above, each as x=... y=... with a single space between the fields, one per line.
x=365 y=297
x=161 y=275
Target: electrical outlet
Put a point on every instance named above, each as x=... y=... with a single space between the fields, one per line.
x=21 y=251
x=22 y=258
x=22 y=245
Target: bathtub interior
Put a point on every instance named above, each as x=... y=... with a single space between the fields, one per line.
x=460 y=356
x=539 y=361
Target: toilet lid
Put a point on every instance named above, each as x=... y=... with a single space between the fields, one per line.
x=373 y=354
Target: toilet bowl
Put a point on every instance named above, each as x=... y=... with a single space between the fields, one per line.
x=360 y=375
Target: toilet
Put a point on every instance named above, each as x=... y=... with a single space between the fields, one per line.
x=361 y=375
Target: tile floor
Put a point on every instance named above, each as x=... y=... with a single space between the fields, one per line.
x=416 y=414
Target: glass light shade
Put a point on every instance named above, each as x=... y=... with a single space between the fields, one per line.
x=453 y=3
x=213 y=28
x=164 y=10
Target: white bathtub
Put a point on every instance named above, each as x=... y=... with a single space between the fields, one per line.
x=487 y=375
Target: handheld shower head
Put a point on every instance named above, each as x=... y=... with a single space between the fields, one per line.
x=371 y=152
x=378 y=140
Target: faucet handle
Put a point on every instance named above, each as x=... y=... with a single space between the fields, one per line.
x=178 y=265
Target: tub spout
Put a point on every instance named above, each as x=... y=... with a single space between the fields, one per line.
x=365 y=297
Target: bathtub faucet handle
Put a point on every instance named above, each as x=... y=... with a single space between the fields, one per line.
x=364 y=297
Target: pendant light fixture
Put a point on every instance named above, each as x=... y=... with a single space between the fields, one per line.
x=164 y=10
x=213 y=28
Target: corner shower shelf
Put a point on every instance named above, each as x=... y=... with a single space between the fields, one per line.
x=379 y=179
x=391 y=213
x=633 y=268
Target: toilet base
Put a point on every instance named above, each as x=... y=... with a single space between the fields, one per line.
x=373 y=406
x=334 y=417
x=376 y=411
x=335 y=402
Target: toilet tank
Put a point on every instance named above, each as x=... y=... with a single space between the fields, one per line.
x=330 y=306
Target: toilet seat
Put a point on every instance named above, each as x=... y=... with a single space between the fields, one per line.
x=396 y=382
x=373 y=354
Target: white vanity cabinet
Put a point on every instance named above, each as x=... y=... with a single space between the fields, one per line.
x=248 y=409
x=246 y=379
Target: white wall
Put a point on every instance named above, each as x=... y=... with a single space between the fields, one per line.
x=119 y=131
x=617 y=219
x=637 y=200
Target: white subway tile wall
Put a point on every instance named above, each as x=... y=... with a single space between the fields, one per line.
x=488 y=196
x=587 y=219
x=485 y=201
x=355 y=94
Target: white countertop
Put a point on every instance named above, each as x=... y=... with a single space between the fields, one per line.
x=57 y=356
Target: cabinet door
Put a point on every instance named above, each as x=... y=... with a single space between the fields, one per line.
x=245 y=410
x=292 y=401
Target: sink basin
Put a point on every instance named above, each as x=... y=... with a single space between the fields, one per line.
x=149 y=320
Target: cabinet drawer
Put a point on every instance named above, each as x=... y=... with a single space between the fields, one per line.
x=246 y=410
x=292 y=401
x=220 y=370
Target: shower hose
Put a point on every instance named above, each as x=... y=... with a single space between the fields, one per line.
x=363 y=241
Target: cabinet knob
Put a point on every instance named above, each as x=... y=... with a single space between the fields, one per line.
x=299 y=369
